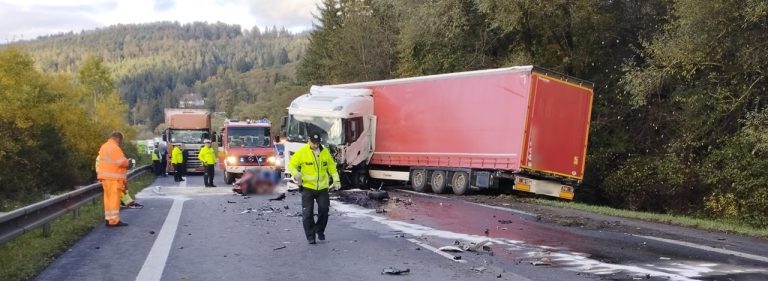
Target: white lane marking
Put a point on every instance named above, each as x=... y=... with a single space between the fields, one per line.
x=473 y=203
x=707 y=248
x=437 y=251
x=153 y=267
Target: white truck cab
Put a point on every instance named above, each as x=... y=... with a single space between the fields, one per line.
x=344 y=120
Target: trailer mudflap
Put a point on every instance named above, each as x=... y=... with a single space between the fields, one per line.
x=544 y=187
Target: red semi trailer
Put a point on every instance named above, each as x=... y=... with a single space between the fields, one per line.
x=455 y=131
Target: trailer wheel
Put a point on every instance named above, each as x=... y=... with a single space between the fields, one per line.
x=460 y=183
x=438 y=182
x=361 y=179
x=229 y=178
x=419 y=180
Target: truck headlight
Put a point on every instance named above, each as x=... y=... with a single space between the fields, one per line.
x=271 y=160
x=232 y=160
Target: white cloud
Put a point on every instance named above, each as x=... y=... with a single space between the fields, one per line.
x=32 y=18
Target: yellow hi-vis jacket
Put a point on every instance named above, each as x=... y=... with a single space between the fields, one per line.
x=207 y=156
x=156 y=154
x=314 y=170
x=176 y=157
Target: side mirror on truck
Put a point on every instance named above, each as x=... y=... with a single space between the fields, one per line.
x=283 y=124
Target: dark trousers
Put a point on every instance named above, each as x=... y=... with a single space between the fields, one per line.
x=208 y=174
x=163 y=166
x=308 y=198
x=156 y=164
x=179 y=169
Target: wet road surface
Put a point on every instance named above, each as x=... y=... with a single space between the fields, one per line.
x=187 y=232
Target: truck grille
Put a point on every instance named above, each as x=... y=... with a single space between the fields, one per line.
x=193 y=161
x=254 y=160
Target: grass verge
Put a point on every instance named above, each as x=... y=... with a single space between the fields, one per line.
x=25 y=256
x=687 y=221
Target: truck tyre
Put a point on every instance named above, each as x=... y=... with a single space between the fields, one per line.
x=438 y=182
x=229 y=178
x=419 y=180
x=460 y=183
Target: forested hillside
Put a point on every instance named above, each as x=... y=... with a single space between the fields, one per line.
x=679 y=122
x=158 y=64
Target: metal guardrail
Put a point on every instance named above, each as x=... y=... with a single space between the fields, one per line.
x=26 y=219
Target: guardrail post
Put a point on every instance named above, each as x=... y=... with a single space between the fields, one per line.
x=76 y=213
x=47 y=230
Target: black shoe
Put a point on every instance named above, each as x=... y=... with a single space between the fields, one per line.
x=120 y=223
x=321 y=236
x=312 y=241
x=181 y=180
x=213 y=185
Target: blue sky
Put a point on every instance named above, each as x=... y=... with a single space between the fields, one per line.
x=27 y=19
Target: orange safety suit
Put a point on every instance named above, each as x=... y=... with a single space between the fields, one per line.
x=111 y=171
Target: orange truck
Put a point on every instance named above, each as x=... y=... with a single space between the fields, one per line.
x=246 y=145
x=190 y=128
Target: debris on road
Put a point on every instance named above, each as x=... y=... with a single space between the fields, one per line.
x=279 y=248
x=296 y=214
x=505 y=221
x=381 y=211
x=378 y=194
x=541 y=262
x=395 y=271
x=451 y=249
x=479 y=269
x=664 y=258
x=231 y=202
x=286 y=207
x=278 y=198
x=498 y=276
x=457 y=258
x=151 y=233
x=249 y=210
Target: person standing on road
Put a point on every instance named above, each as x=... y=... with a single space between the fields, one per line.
x=111 y=170
x=164 y=159
x=208 y=157
x=156 y=160
x=310 y=166
x=177 y=161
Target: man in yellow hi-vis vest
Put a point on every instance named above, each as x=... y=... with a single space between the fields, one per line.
x=156 y=164
x=311 y=166
x=208 y=157
x=177 y=160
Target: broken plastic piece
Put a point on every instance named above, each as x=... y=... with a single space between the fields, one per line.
x=395 y=271
x=278 y=198
x=451 y=249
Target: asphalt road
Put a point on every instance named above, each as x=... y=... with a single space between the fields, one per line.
x=187 y=232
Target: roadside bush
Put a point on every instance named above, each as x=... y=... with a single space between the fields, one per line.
x=653 y=183
x=737 y=173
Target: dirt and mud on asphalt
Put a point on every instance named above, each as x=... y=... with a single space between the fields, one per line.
x=522 y=233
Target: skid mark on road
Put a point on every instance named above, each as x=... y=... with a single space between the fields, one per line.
x=153 y=267
x=681 y=270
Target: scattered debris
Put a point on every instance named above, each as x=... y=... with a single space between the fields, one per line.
x=286 y=207
x=151 y=232
x=664 y=258
x=395 y=271
x=231 y=202
x=278 y=198
x=471 y=247
x=479 y=269
x=381 y=211
x=457 y=258
x=541 y=262
x=505 y=221
x=246 y=197
x=721 y=239
x=181 y=248
x=279 y=248
x=296 y=214
x=498 y=276
x=418 y=248
x=249 y=210
x=97 y=247
x=487 y=232
x=451 y=249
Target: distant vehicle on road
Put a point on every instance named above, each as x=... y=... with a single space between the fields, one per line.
x=457 y=131
x=245 y=145
x=189 y=127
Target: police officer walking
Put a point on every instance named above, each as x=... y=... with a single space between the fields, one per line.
x=311 y=167
x=156 y=160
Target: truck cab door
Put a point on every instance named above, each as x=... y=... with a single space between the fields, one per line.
x=358 y=134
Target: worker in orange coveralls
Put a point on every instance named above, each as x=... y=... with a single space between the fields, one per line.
x=112 y=171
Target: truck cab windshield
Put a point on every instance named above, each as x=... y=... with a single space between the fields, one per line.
x=188 y=136
x=329 y=129
x=248 y=137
